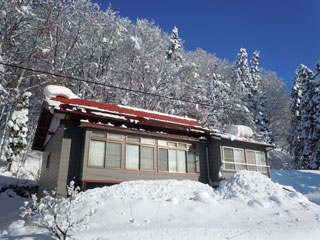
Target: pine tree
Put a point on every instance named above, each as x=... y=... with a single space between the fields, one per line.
x=241 y=87
x=17 y=131
x=242 y=77
x=176 y=45
x=314 y=133
x=301 y=120
x=257 y=101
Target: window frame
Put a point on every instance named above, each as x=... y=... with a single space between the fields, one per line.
x=106 y=140
x=189 y=148
x=140 y=144
x=246 y=164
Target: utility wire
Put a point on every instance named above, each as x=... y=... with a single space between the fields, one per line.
x=112 y=86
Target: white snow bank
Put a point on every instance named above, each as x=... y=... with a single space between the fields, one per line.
x=240 y=131
x=247 y=206
x=52 y=91
x=257 y=189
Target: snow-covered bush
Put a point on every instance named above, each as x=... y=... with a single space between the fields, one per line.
x=57 y=215
x=17 y=131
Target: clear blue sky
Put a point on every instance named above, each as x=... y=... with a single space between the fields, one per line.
x=287 y=32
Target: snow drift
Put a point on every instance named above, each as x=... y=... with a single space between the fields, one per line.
x=247 y=206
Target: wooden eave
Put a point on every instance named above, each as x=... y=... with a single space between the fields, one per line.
x=144 y=133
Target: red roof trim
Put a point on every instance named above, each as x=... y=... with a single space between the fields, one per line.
x=123 y=110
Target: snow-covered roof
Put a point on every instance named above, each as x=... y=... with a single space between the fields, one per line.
x=116 y=111
x=52 y=91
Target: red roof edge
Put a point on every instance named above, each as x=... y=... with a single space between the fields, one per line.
x=127 y=111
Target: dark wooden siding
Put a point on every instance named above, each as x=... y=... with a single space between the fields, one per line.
x=71 y=152
x=214 y=159
x=49 y=176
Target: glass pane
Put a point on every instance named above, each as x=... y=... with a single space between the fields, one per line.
x=261 y=159
x=172 y=160
x=99 y=134
x=191 y=162
x=147 y=140
x=181 y=161
x=238 y=155
x=113 y=155
x=133 y=139
x=97 y=153
x=240 y=166
x=163 y=159
x=114 y=136
x=132 y=159
x=252 y=168
x=251 y=157
x=263 y=169
x=147 y=158
x=171 y=144
x=229 y=166
x=162 y=143
x=228 y=154
x=182 y=145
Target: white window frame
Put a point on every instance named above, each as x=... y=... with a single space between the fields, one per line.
x=246 y=164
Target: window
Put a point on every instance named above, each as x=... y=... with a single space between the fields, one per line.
x=105 y=150
x=238 y=159
x=113 y=155
x=176 y=157
x=132 y=160
x=233 y=158
x=97 y=153
x=140 y=153
x=48 y=160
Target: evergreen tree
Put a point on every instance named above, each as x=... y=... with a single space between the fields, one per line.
x=314 y=132
x=257 y=101
x=242 y=77
x=301 y=120
x=241 y=87
x=176 y=45
x=17 y=131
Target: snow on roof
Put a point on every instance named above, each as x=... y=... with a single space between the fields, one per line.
x=52 y=91
x=240 y=131
x=101 y=109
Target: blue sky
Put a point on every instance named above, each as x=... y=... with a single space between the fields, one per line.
x=285 y=31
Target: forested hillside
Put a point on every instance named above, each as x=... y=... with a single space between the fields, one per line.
x=131 y=63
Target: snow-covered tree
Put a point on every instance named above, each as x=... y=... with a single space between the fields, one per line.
x=242 y=78
x=241 y=84
x=315 y=131
x=175 y=47
x=256 y=101
x=301 y=119
x=277 y=106
x=57 y=215
x=17 y=132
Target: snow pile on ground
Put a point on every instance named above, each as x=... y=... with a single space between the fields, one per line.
x=258 y=190
x=239 y=131
x=248 y=206
x=9 y=207
x=52 y=91
x=303 y=181
x=26 y=175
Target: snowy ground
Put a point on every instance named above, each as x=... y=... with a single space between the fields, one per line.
x=304 y=181
x=248 y=206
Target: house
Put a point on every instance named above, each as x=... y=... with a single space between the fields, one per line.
x=102 y=144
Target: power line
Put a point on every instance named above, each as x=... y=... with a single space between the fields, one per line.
x=116 y=87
